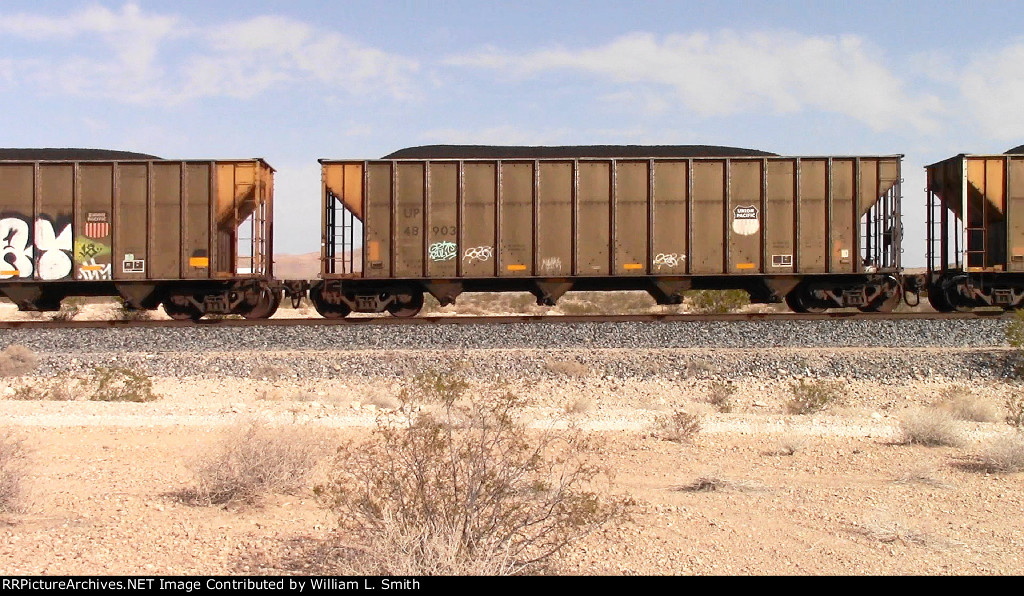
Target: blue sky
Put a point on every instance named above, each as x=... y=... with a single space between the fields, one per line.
x=296 y=81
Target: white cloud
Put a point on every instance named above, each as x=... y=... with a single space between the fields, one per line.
x=130 y=58
x=249 y=57
x=992 y=86
x=729 y=73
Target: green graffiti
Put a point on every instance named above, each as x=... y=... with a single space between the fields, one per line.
x=87 y=249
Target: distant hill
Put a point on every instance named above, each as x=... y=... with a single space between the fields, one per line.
x=303 y=266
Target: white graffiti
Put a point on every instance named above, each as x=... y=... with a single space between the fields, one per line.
x=668 y=260
x=443 y=251
x=478 y=253
x=16 y=253
x=551 y=264
x=93 y=270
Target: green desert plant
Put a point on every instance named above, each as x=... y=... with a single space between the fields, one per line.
x=118 y=383
x=718 y=301
x=811 y=396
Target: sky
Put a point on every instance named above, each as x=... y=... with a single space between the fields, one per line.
x=293 y=82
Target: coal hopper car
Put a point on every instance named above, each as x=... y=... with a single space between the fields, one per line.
x=194 y=236
x=816 y=232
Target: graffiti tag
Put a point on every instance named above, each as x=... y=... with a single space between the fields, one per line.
x=551 y=264
x=478 y=253
x=443 y=251
x=93 y=270
x=668 y=260
x=49 y=256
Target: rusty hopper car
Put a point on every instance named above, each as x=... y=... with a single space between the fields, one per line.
x=975 y=239
x=817 y=232
x=194 y=236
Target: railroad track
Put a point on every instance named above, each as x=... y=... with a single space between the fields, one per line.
x=503 y=320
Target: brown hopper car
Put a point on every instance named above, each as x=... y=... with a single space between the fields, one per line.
x=194 y=236
x=817 y=232
x=975 y=239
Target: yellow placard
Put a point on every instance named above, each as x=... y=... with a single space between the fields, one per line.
x=633 y=266
x=199 y=262
x=92 y=267
x=517 y=267
x=745 y=265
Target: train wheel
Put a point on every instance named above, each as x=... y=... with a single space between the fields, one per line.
x=885 y=305
x=266 y=306
x=327 y=310
x=952 y=295
x=937 y=298
x=407 y=304
x=181 y=312
x=793 y=302
x=797 y=302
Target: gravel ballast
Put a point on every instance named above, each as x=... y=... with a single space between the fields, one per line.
x=953 y=333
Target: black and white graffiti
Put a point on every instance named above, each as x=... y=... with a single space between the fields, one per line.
x=443 y=251
x=93 y=270
x=49 y=256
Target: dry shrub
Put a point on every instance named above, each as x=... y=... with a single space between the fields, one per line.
x=569 y=368
x=385 y=402
x=268 y=372
x=884 y=528
x=932 y=427
x=582 y=405
x=118 y=383
x=812 y=396
x=1005 y=454
x=789 y=443
x=48 y=389
x=454 y=485
x=718 y=301
x=69 y=309
x=720 y=396
x=710 y=484
x=921 y=474
x=17 y=360
x=964 y=405
x=606 y=303
x=254 y=460
x=1015 y=410
x=126 y=312
x=680 y=427
x=102 y=384
x=12 y=471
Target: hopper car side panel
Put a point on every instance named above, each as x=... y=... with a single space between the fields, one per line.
x=763 y=224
